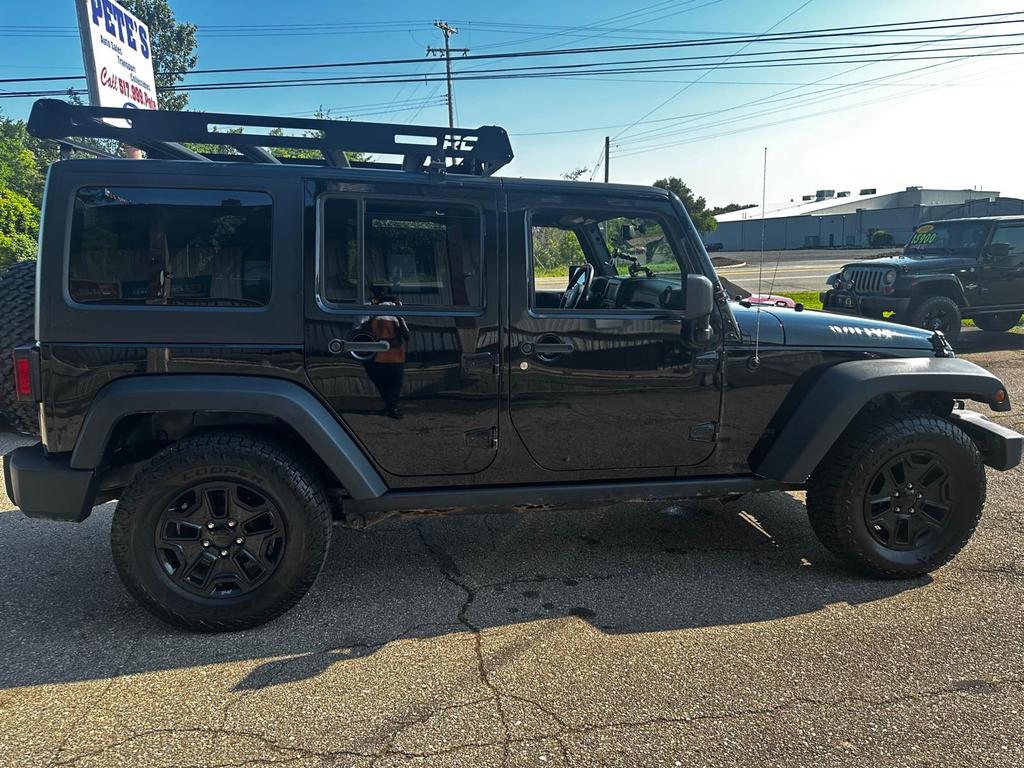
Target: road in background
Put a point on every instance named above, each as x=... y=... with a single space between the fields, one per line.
x=796 y=271
x=791 y=271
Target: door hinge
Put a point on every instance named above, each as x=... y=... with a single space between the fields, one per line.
x=704 y=433
x=486 y=438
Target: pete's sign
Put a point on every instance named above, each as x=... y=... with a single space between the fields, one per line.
x=118 y=56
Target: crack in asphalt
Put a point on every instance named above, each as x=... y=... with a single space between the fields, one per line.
x=118 y=669
x=450 y=571
x=295 y=753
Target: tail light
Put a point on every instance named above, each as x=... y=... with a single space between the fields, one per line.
x=24 y=378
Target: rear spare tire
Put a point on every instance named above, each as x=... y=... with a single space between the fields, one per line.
x=17 y=327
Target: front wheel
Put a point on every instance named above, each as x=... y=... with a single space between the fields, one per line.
x=937 y=313
x=221 y=531
x=1000 y=321
x=898 y=495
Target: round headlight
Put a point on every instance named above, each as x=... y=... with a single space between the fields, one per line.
x=845 y=274
x=890 y=277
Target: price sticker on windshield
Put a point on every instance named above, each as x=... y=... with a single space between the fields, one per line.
x=924 y=235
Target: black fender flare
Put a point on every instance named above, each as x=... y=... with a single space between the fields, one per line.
x=279 y=398
x=841 y=392
x=926 y=281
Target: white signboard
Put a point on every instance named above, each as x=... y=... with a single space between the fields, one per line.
x=118 y=56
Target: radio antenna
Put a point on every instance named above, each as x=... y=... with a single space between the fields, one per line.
x=756 y=362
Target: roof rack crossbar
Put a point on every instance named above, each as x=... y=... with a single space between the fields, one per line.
x=480 y=151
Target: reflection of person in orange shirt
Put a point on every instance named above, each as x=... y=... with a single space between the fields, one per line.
x=387 y=369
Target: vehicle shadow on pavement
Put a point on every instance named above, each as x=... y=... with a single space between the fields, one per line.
x=983 y=341
x=622 y=570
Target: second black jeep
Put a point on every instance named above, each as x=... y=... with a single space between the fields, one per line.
x=242 y=347
x=950 y=270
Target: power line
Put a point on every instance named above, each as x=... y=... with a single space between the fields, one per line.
x=501 y=74
x=802 y=116
x=686 y=87
x=830 y=32
x=655 y=133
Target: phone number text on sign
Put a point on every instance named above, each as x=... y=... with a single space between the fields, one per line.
x=124 y=88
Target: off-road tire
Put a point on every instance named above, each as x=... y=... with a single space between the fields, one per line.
x=267 y=467
x=838 y=488
x=17 y=327
x=923 y=313
x=1000 y=321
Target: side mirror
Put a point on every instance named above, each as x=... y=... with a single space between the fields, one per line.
x=700 y=297
x=998 y=252
x=700 y=300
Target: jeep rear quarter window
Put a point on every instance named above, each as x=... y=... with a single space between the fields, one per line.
x=423 y=255
x=170 y=247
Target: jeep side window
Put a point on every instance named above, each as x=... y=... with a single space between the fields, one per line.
x=423 y=255
x=632 y=260
x=170 y=247
x=1013 y=237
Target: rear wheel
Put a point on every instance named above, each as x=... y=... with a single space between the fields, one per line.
x=936 y=313
x=17 y=327
x=221 y=531
x=1000 y=321
x=898 y=495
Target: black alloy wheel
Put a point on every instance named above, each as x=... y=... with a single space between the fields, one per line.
x=908 y=500
x=937 y=313
x=221 y=539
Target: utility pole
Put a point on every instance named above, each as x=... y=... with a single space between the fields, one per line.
x=607 y=159
x=447 y=30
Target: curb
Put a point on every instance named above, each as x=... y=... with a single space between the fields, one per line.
x=727 y=267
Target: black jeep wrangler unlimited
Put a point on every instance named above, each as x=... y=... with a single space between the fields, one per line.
x=950 y=270
x=241 y=347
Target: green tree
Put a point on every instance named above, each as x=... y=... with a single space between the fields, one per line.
x=720 y=209
x=283 y=152
x=173 y=44
x=697 y=207
x=23 y=160
x=554 y=250
x=19 y=228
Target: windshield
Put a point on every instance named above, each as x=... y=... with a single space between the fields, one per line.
x=953 y=238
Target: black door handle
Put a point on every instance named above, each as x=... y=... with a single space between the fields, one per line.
x=546 y=348
x=338 y=346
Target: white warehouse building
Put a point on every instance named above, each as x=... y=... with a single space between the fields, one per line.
x=831 y=219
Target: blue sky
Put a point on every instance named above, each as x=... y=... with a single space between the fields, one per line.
x=955 y=125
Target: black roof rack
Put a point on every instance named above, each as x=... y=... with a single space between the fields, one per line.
x=162 y=135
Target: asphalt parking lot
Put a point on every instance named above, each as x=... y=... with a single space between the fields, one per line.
x=618 y=636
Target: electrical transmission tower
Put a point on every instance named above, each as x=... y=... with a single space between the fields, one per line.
x=447 y=30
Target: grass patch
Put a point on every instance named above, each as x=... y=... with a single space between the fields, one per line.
x=810 y=299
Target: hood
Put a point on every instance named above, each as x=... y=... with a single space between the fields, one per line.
x=933 y=263
x=746 y=318
x=811 y=328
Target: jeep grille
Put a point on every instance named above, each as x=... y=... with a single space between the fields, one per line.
x=866 y=280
